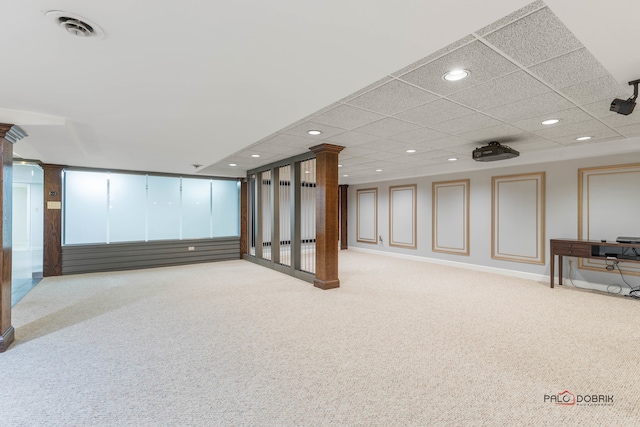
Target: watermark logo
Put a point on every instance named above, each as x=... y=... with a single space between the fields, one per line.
x=566 y=398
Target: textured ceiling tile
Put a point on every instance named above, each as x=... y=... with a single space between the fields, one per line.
x=596 y=136
x=273 y=148
x=570 y=69
x=617 y=120
x=602 y=88
x=383 y=156
x=351 y=138
x=387 y=127
x=448 y=142
x=392 y=98
x=464 y=149
x=465 y=124
x=303 y=128
x=366 y=89
x=453 y=46
x=574 y=129
x=511 y=88
x=434 y=154
x=290 y=140
x=541 y=104
x=600 y=108
x=573 y=115
x=532 y=7
x=352 y=160
x=536 y=38
x=357 y=151
x=385 y=145
x=492 y=133
x=537 y=145
x=483 y=62
x=435 y=112
x=419 y=135
x=347 y=117
x=631 y=130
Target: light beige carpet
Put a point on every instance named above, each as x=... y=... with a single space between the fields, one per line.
x=401 y=343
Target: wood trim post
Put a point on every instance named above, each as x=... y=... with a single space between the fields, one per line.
x=344 y=217
x=326 y=215
x=244 y=228
x=9 y=134
x=52 y=244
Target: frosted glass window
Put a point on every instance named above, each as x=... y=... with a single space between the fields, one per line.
x=85 y=219
x=127 y=207
x=163 y=208
x=225 y=204
x=196 y=208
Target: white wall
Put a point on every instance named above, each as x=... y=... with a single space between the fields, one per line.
x=561 y=216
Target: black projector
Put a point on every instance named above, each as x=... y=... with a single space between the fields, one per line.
x=494 y=151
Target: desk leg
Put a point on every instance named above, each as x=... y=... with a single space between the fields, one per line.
x=552 y=268
x=560 y=270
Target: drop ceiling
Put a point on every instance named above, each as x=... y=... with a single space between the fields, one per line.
x=213 y=85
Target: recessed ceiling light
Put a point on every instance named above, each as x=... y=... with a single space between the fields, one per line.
x=550 y=122
x=583 y=138
x=411 y=151
x=455 y=75
x=255 y=155
x=339 y=166
x=345 y=175
x=452 y=159
x=378 y=170
x=314 y=132
x=232 y=164
x=307 y=172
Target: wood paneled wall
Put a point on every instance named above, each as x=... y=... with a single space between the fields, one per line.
x=52 y=244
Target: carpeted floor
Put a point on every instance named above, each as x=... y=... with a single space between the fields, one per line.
x=401 y=343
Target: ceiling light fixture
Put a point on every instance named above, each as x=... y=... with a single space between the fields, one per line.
x=378 y=170
x=345 y=175
x=339 y=166
x=583 y=138
x=232 y=165
x=411 y=151
x=550 y=122
x=455 y=75
x=314 y=132
x=255 y=155
x=452 y=159
x=307 y=172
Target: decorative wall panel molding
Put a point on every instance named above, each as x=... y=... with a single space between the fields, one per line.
x=517 y=218
x=367 y=215
x=402 y=216
x=450 y=217
x=608 y=207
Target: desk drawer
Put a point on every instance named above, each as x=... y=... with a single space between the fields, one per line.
x=572 y=249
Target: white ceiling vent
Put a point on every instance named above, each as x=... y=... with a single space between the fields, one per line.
x=75 y=24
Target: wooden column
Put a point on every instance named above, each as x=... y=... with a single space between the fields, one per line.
x=326 y=215
x=9 y=134
x=52 y=244
x=344 y=216
x=244 y=246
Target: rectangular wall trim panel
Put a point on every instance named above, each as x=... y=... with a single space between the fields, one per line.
x=402 y=216
x=608 y=207
x=517 y=218
x=130 y=256
x=367 y=215
x=450 y=217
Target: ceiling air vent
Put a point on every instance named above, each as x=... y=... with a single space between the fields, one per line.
x=75 y=24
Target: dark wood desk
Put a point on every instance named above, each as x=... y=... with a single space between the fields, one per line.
x=585 y=249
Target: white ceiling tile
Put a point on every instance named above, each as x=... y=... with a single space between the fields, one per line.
x=383 y=155
x=365 y=89
x=303 y=128
x=447 y=142
x=290 y=140
x=420 y=135
x=432 y=154
x=483 y=63
x=347 y=117
x=465 y=124
x=596 y=136
x=567 y=70
x=384 y=145
x=504 y=90
x=435 y=112
x=275 y=149
x=618 y=120
x=437 y=54
x=347 y=160
x=630 y=130
x=537 y=105
x=492 y=133
x=387 y=127
x=357 y=151
x=351 y=138
x=536 y=145
x=600 y=108
x=392 y=98
x=602 y=88
x=535 y=38
x=574 y=129
x=532 y=7
x=572 y=115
